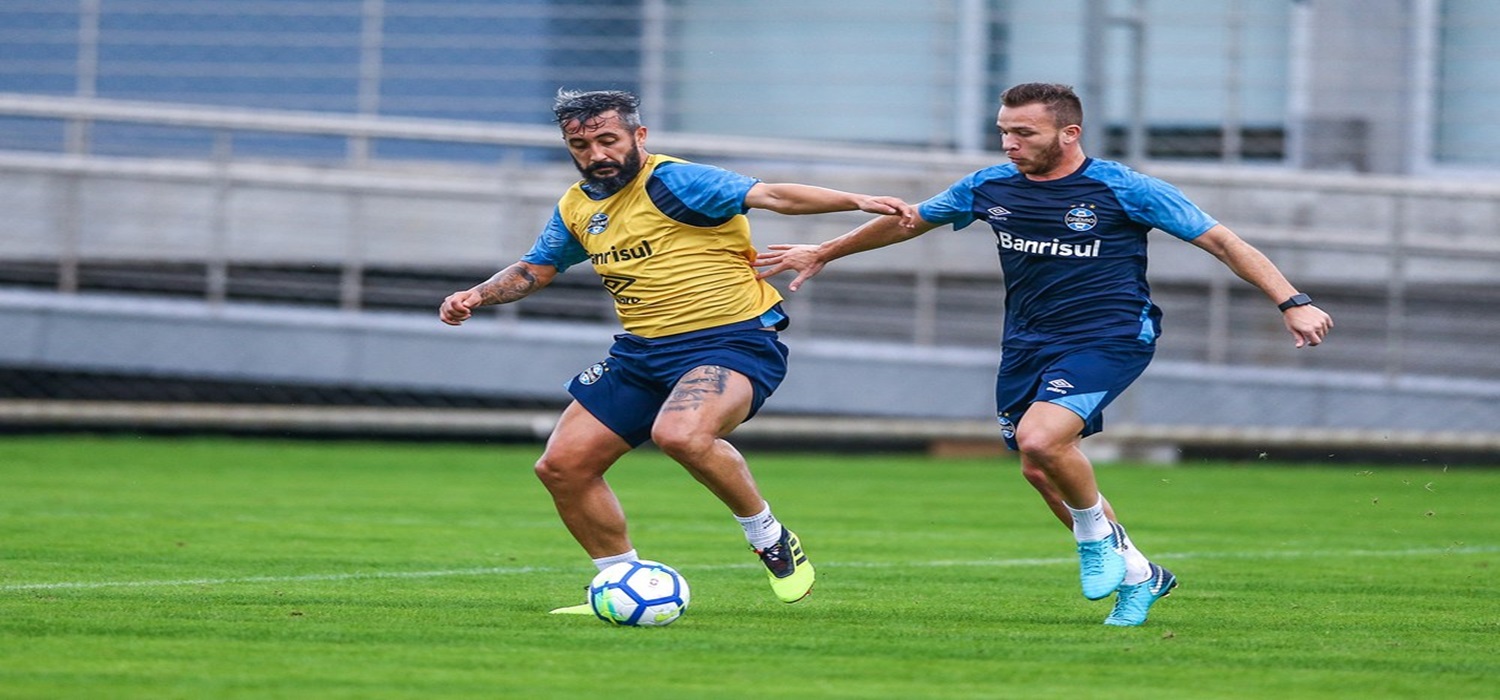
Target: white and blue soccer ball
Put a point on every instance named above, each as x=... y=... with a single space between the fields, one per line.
x=639 y=594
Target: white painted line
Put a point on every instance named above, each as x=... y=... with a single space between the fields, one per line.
x=486 y=571
x=513 y=570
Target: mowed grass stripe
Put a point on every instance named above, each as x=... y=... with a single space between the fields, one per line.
x=166 y=568
x=517 y=570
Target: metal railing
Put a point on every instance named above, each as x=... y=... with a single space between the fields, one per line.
x=1407 y=265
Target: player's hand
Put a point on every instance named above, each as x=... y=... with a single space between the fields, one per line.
x=779 y=258
x=1308 y=324
x=891 y=206
x=459 y=306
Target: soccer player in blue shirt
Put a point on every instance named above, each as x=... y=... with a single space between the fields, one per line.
x=700 y=353
x=1080 y=325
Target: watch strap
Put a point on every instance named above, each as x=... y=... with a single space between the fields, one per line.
x=1295 y=300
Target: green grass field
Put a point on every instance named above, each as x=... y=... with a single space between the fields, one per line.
x=222 y=568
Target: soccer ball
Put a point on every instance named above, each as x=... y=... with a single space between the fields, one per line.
x=639 y=594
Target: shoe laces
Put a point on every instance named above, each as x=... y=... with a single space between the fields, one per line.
x=1130 y=607
x=776 y=559
x=1093 y=559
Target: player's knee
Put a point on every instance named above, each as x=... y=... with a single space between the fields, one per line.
x=555 y=474
x=680 y=441
x=1038 y=449
x=675 y=444
x=1029 y=445
x=546 y=471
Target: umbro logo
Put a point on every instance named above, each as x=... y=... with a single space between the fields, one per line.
x=1059 y=386
x=615 y=284
x=997 y=212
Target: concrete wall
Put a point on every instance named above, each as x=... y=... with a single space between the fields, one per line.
x=1171 y=403
x=1324 y=230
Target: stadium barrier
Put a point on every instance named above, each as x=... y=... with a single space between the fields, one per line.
x=1406 y=266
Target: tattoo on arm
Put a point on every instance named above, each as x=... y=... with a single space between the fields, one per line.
x=512 y=283
x=696 y=387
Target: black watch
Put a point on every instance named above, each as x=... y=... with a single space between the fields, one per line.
x=1295 y=300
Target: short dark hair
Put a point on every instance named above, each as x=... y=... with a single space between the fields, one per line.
x=1060 y=99
x=583 y=106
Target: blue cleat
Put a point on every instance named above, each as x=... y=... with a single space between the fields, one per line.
x=1136 y=599
x=1101 y=568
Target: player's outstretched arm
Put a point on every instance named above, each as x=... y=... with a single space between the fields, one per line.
x=1307 y=324
x=793 y=198
x=809 y=260
x=513 y=283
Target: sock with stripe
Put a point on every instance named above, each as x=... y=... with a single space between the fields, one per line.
x=1089 y=524
x=1137 y=566
x=762 y=529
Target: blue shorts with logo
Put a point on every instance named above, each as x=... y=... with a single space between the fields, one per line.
x=1083 y=378
x=627 y=389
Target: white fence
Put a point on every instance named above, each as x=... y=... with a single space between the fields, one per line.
x=1407 y=267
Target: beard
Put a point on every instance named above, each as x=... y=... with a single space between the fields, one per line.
x=624 y=173
x=1044 y=161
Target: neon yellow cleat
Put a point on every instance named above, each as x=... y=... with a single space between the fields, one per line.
x=584 y=609
x=787 y=567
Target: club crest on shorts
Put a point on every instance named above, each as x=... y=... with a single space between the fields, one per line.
x=597 y=223
x=1007 y=427
x=593 y=374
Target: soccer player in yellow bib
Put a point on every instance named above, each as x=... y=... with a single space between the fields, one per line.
x=700 y=353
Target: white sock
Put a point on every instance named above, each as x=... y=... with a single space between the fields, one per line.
x=762 y=529
x=1137 y=566
x=1089 y=524
x=606 y=562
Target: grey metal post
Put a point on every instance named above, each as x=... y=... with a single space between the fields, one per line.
x=1217 y=352
x=1231 y=145
x=969 y=85
x=1096 y=23
x=371 y=44
x=1135 y=146
x=70 y=221
x=216 y=267
x=76 y=136
x=1299 y=83
x=925 y=295
x=654 y=62
x=1091 y=90
x=351 y=278
x=510 y=204
x=87 y=77
x=1395 y=310
x=1420 y=139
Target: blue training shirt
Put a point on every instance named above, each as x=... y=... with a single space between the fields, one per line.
x=1073 y=250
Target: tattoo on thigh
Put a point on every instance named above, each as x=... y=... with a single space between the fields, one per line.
x=696 y=387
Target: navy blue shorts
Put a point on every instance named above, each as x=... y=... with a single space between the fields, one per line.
x=1081 y=378
x=628 y=388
